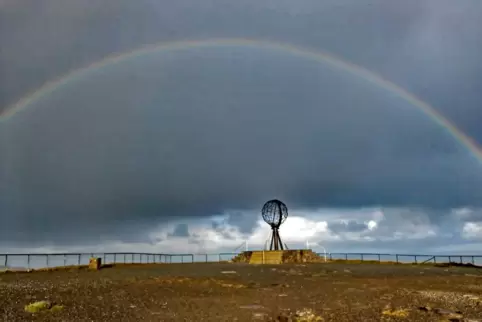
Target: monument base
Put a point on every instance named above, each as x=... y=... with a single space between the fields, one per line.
x=278 y=257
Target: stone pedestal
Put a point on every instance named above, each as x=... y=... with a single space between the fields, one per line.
x=95 y=263
x=279 y=256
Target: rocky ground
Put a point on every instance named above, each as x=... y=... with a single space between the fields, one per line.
x=241 y=292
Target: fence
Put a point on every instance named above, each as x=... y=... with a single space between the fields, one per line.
x=406 y=258
x=35 y=261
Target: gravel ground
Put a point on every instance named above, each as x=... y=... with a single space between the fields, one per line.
x=241 y=292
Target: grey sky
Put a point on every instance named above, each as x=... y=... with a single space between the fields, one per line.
x=199 y=132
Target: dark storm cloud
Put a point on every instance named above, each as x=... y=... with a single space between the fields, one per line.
x=201 y=132
x=181 y=230
x=347 y=226
x=245 y=221
x=229 y=230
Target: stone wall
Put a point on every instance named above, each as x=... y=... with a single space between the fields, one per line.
x=289 y=256
x=244 y=257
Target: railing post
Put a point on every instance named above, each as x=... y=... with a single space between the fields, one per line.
x=182 y=259
x=28 y=261
x=473 y=262
x=192 y=258
x=416 y=262
x=124 y=258
x=132 y=258
x=65 y=259
x=346 y=256
x=461 y=259
x=78 y=260
x=115 y=257
x=396 y=256
x=103 y=259
x=6 y=260
x=379 y=259
x=219 y=257
x=331 y=258
x=206 y=258
x=435 y=259
x=47 y=260
x=450 y=259
x=361 y=257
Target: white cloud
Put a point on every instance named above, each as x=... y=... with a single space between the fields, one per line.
x=368 y=229
x=372 y=224
x=462 y=213
x=472 y=230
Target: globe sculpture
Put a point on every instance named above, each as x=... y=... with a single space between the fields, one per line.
x=274 y=213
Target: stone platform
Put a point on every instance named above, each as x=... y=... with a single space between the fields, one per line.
x=278 y=257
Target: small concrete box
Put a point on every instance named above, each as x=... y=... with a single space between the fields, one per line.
x=95 y=263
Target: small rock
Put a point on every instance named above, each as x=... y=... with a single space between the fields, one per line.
x=449 y=314
x=259 y=316
x=56 y=308
x=228 y=272
x=42 y=306
x=252 y=306
x=253 y=285
x=283 y=317
x=319 y=274
x=401 y=313
x=306 y=315
x=425 y=308
x=471 y=297
x=38 y=306
x=346 y=270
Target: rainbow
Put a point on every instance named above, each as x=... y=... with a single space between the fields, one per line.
x=305 y=53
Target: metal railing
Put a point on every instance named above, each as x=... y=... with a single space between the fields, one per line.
x=50 y=260
x=406 y=258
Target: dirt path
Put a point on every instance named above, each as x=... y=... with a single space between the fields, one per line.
x=240 y=292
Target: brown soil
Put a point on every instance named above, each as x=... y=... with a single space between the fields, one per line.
x=241 y=292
